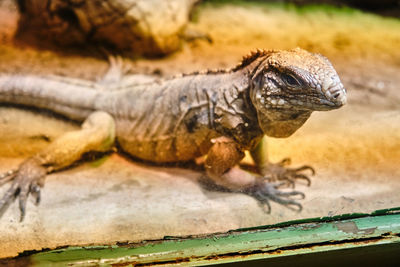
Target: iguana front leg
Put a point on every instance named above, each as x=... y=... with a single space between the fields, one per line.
x=278 y=171
x=97 y=134
x=221 y=167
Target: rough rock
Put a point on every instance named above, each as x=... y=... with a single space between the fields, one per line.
x=139 y=27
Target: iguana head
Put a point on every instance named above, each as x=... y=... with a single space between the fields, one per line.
x=288 y=85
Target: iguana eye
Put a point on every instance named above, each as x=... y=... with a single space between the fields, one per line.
x=290 y=80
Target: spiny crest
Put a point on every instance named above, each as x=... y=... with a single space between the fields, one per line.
x=206 y=71
x=247 y=60
x=250 y=57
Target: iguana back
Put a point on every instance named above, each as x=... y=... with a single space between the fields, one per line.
x=163 y=121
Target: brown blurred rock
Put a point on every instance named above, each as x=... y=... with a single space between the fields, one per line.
x=139 y=27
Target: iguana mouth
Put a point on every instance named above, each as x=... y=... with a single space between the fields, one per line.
x=305 y=102
x=321 y=100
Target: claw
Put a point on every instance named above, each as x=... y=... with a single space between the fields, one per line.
x=7 y=176
x=22 y=205
x=6 y=179
x=263 y=202
x=35 y=191
x=119 y=65
x=292 y=193
x=26 y=180
x=23 y=197
x=288 y=203
x=8 y=196
x=117 y=69
x=305 y=167
x=279 y=172
x=277 y=185
x=285 y=162
x=115 y=62
x=264 y=192
x=266 y=204
x=299 y=207
x=303 y=177
x=289 y=182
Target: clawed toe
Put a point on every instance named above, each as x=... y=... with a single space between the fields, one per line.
x=35 y=191
x=7 y=176
x=285 y=162
x=8 y=196
x=289 y=176
x=291 y=193
x=303 y=177
x=294 y=174
x=265 y=191
x=305 y=167
x=21 y=189
x=26 y=180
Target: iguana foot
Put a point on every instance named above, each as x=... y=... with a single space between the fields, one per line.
x=118 y=68
x=265 y=191
x=28 y=178
x=279 y=172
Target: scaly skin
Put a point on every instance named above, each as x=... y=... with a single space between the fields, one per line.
x=216 y=113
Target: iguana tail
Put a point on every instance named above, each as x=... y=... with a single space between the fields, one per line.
x=67 y=97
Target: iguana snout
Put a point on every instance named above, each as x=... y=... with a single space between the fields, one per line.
x=334 y=92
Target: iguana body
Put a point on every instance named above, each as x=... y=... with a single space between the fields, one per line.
x=217 y=113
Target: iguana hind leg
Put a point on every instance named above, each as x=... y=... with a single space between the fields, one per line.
x=97 y=134
x=221 y=167
x=278 y=171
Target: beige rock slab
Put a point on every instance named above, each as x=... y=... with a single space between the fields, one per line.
x=356 y=153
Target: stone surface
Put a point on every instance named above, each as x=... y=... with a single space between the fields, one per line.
x=118 y=199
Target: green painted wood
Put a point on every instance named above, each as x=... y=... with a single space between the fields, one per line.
x=297 y=237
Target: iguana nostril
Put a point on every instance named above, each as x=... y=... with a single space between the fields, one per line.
x=335 y=96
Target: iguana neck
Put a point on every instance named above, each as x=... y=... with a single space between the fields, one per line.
x=235 y=115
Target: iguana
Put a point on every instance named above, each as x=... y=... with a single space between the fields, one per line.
x=218 y=113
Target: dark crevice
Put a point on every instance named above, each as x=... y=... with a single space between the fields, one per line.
x=21 y=6
x=68 y=15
